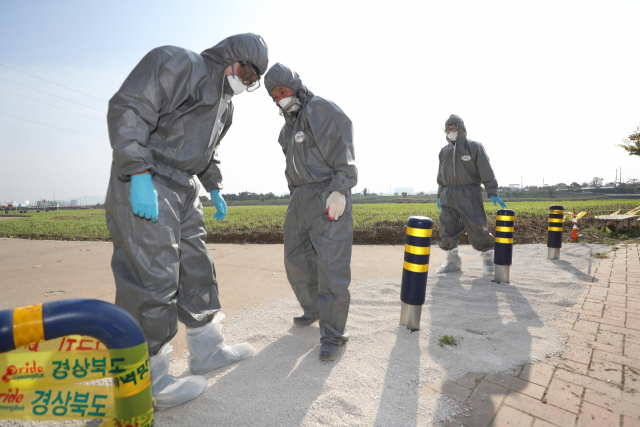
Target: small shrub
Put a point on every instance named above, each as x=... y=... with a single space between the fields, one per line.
x=447 y=340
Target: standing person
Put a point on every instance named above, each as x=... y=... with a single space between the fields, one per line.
x=317 y=140
x=464 y=165
x=165 y=126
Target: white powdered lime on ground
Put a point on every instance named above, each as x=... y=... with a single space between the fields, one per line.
x=377 y=380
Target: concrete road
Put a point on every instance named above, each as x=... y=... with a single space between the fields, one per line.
x=35 y=271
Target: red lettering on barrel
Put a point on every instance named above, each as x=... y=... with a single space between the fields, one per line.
x=11 y=370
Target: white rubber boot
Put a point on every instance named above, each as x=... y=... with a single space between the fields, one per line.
x=169 y=391
x=488 y=267
x=208 y=350
x=454 y=262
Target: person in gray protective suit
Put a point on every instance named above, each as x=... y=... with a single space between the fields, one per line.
x=464 y=165
x=317 y=140
x=165 y=125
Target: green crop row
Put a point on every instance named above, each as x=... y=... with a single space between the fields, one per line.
x=91 y=225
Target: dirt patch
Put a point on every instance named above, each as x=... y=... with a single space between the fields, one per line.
x=250 y=237
x=527 y=231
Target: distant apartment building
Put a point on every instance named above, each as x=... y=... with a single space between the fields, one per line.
x=401 y=190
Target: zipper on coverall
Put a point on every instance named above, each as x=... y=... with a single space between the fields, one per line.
x=454 y=162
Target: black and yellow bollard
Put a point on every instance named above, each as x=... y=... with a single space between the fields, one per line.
x=414 y=274
x=503 y=252
x=554 y=234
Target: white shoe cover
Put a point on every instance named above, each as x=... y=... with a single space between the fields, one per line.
x=167 y=390
x=454 y=262
x=488 y=267
x=208 y=351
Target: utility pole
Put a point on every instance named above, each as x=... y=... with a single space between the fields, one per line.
x=616 y=176
x=620 y=174
x=521 y=182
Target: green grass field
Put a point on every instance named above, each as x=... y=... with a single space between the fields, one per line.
x=375 y=223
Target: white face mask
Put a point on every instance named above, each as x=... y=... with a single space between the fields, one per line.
x=289 y=105
x=236 y=85
x=453 y=135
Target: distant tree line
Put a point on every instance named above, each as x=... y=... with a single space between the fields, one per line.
x=247 y=195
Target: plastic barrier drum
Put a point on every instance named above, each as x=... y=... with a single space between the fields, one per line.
x=46 y=349
x=554 y=234
x=414 y=274
x=505 y=219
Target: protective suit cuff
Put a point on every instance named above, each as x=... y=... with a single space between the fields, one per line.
x=126 y=173
x=210 y=186
x=337 y=186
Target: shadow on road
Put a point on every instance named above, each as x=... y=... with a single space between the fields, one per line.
x=404 y=363
x=284 y=378
x=494 y=336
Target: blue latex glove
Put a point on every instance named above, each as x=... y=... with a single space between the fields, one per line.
x=144 y=197
x=439 y=208
x=220 y=205
x=498 y=200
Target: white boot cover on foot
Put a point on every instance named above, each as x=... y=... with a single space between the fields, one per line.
x=208 y=351
x=454 y=262
x=488 y=267
x=167 y=390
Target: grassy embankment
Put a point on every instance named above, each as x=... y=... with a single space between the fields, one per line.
x=373 y=224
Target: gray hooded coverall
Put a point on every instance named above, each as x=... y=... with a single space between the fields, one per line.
x=169 y=117
x=318 y=145
x=464 y=165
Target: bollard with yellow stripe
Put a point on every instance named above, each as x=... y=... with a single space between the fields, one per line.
x=554 y=233
x=414 y=274
x=503 y=252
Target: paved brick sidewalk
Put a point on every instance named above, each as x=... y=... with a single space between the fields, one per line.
x=595 y=382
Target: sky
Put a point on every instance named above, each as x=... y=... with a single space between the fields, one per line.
x=550 y=88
